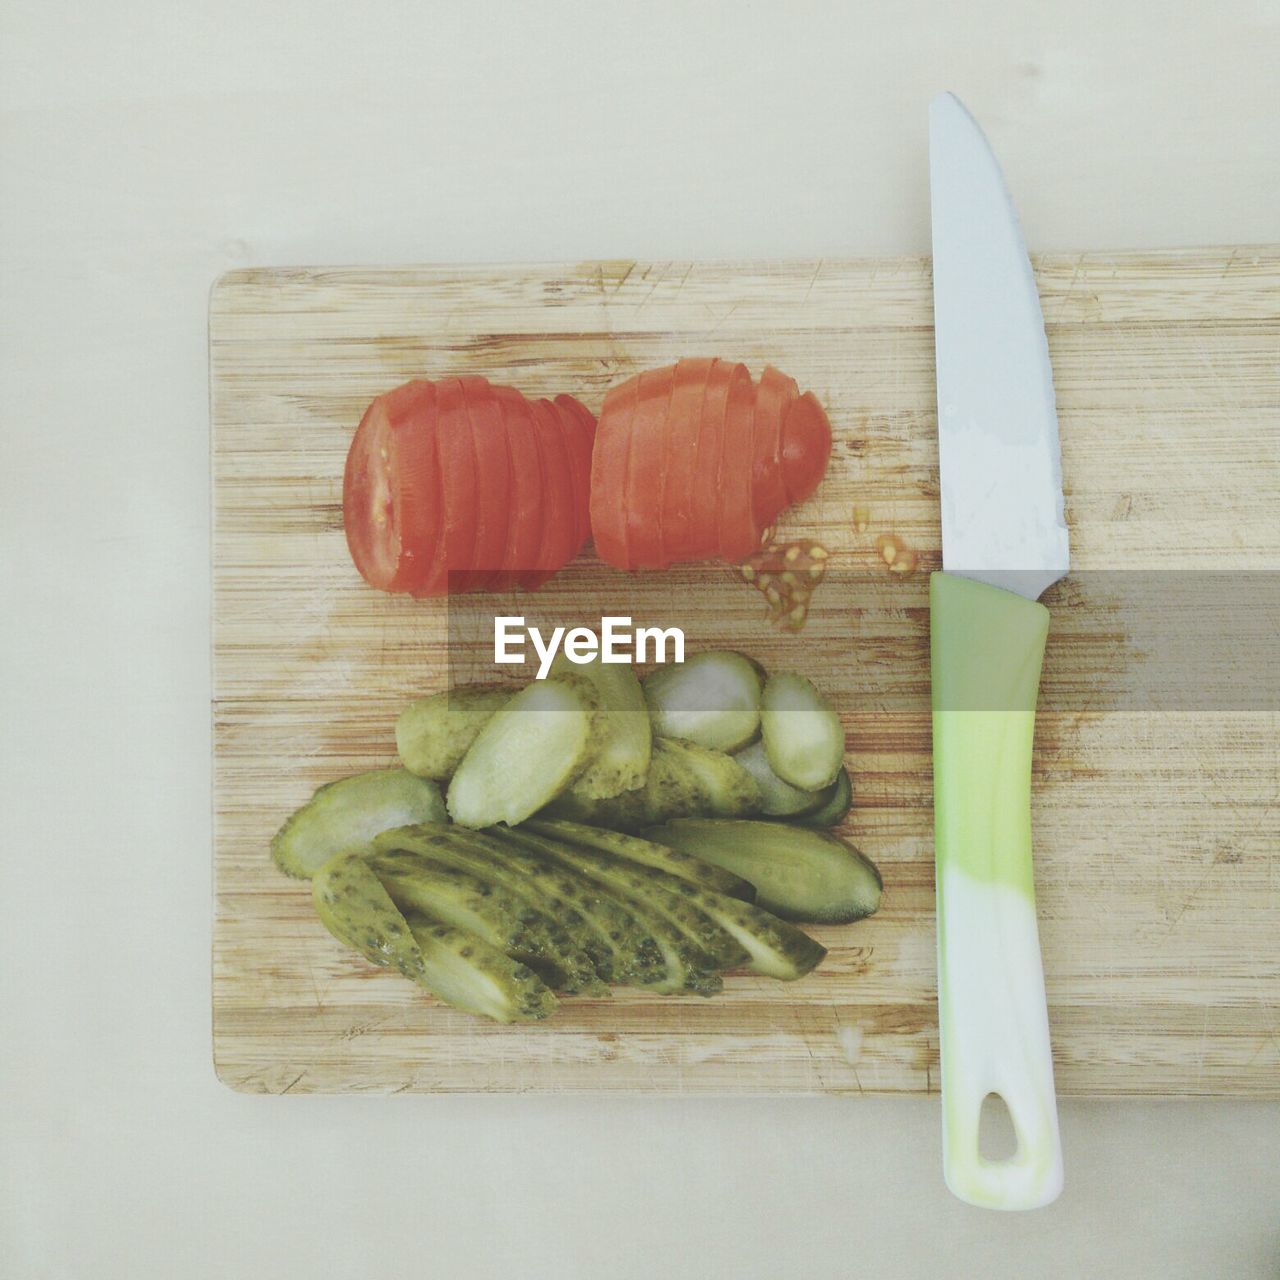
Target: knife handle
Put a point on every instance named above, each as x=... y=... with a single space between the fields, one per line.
x=986 y=649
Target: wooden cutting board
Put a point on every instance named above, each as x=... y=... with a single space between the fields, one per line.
x=1157 y=848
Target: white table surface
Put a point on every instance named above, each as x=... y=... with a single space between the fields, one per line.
x=146 y=146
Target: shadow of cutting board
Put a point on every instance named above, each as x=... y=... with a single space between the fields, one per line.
x=1157 y=828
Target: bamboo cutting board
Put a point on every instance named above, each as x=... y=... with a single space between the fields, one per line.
x=1156 y=826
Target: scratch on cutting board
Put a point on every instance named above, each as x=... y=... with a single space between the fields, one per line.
x=817 y=271
x=1071 y=284
x=626 y=275
x=724 y=319
x=1271 y=1037
x=362 y=1028
x=808 y=1048
x=849 y=1038
x=311 y=973
x=648 y=297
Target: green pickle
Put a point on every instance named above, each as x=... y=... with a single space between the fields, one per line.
x=503 y=919
x=345 y=815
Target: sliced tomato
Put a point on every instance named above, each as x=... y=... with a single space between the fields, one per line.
x=391 y=490
x=493 y=482
x=524 y=529
x=679 y=451
x=458 y=480
x=738 y=534
x=646 y=468
x=704 y=523
x=774 y=396
x=370 y=515
x=806 y=447
x=609 y=474
x=579 y=430
x=559 y=516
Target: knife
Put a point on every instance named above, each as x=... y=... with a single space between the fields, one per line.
x=1004 y=541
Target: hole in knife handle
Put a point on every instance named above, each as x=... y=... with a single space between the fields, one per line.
x=997 y=1138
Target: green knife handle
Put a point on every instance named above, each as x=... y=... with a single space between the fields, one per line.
x=986 y=648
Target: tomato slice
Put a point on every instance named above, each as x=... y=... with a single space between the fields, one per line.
x=609 y=474
x=559 y=515
x=578 y=429
x=806 y=447
x=646 y=468
x=493 y=480
x=370 y=515
x=422 y=498
x=704 y=521
x=457 y=480
x=738 y=534
x=774 y=396
x=391 y=489
x=524 y=529
x=679 y=452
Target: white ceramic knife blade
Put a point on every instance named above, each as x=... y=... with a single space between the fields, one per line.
x=1002 y=506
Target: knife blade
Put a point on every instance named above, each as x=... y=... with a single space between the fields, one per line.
x=1002 y=504
x=1004 y=540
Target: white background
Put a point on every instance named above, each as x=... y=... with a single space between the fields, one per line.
x=146 y=146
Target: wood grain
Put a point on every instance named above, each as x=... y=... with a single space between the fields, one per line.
x=1157 y=858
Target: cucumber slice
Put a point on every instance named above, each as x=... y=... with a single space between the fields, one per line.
x=345 y=815
x=833 y=811
x=635 y=956
x=617 y=947
x=713 y=699
x=357 y=910
x=778 y=799
x=621 y=761
x=670 y=789
x=773 y=947
x=684 y=780
x=686 y=965
x=803 y=736
x=709 y=948
x=727 y=789
x=799 y=874
x=626 y=811
x=529 y=751
x=503 y=919
x=666 y=965
x=702 y=874
x=469 y=974
x=460 y=968
x=433 y=734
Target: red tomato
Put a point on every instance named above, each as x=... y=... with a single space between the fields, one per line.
x=457 y=480
x=609 y=473
x=704 y=525
x=391 y=490
x=493 y=476
x=460 y=485
x=645 y=470
x=738 y=535
x=693 y=461
x=806 y=447
x=773 y=398
x=559 y=514
x=524 y=528
x=679 y=448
